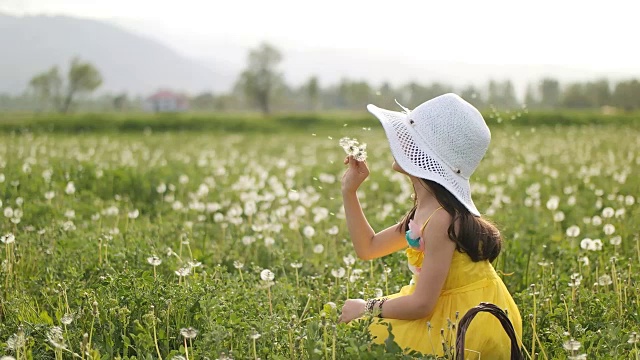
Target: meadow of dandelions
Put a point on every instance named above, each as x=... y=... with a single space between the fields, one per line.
x=196 y=246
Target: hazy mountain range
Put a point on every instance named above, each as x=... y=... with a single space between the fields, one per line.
x=139 y=60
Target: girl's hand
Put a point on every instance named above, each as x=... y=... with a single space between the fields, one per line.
x=352 y=309
x=355 y=175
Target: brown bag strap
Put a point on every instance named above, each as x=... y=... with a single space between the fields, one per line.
x=516 y=352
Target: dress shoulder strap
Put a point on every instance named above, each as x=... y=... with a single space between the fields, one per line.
x=429 y=218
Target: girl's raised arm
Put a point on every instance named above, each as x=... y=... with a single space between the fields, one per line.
x=367 y=244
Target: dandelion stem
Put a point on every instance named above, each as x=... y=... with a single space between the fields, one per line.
x=186 y=349
x=269 y=295
x=255 y=354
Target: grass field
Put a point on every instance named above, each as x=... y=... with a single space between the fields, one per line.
x=155 y=245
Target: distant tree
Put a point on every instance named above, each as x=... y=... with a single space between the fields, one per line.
x=626 y=95
x=473 y=96
x=549 y=93
x=530 y=98
x=203 y=101
x=261 y=78
x=502 y=94
x=46 y=87
x=574 y=96
x=82 y=78
x=120 y=101
x=598 y=92
x=312 y=89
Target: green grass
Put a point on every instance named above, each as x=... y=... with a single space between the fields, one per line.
x=92 y=263
x=137 y=122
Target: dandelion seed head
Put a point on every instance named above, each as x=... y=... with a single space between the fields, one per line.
x=154 y=260
x=573 y=231
x=267 y=275
x=189 y=333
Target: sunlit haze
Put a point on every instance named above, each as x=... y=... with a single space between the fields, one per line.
x=593 y=35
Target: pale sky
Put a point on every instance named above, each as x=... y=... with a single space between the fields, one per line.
x=599 y=35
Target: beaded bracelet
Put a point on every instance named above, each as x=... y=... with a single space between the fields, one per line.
x=371 y=309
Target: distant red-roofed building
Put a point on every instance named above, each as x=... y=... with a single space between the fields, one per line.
x=166 y=101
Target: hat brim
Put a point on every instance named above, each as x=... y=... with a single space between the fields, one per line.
x=416 y=158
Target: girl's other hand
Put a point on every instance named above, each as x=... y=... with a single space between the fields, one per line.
x=352 y=309
x=357 y=172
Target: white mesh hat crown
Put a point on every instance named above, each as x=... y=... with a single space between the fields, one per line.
x=442 y=140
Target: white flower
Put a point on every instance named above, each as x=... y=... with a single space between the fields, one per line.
x=296 y=265
x=269 y=241
x=573 y=231
x=189 y=333
x=267 y=275
x=584 y=260
x=55 y=338
x=70 y=214
x=8 y=212
x=67 y=319
x=248 y=240
x=255 y=335
x=596 y=221
x=162 y=188
x=553 y=202
x=607 y=212
x=318 y=249
x=586 y=243
x=605 y=280
x=558 y=216
x=616 y=240
x=571 y=345
x=333 y=230
x=238 y=265
x=308 y=231
x=349 y=260
x=8 y=239
x=629 y=200
x=338 y=273
x=183 y=179
x=183 y=271
x=609 y=229
x=134 y=214
x=596 y=245
x=70 y=189
x=154 y=260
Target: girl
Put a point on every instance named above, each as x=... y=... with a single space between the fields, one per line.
x=449 y=246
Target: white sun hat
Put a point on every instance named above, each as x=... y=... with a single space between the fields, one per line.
x=442 y=140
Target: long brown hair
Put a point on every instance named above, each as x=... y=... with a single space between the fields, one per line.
x=477 y=237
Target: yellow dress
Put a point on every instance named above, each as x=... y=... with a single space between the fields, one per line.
x=467 y=284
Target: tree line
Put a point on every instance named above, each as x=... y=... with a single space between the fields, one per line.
x=261 y=86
